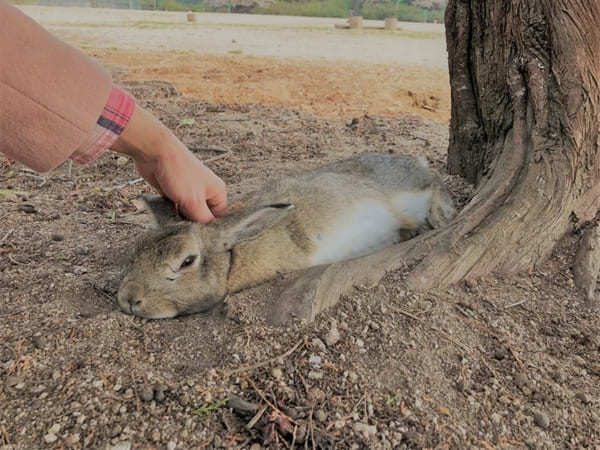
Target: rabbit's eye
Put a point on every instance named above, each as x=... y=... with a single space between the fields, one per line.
x=188 y=261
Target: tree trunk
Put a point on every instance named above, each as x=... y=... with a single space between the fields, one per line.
x=525 y=95
x=524 y=78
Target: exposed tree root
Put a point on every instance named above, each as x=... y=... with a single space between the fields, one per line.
x=587 y=263
x=525 y=127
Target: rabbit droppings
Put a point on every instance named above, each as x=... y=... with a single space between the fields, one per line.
x=337 y=212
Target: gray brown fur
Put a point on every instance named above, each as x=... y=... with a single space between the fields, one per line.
x=276 y=229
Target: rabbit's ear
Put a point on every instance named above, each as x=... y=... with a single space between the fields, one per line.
x=162 y=209
x=253 y=224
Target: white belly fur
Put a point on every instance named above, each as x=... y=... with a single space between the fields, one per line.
x=369 y=227
x=413 y=205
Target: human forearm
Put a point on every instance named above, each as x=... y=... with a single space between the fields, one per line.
x=50 y=93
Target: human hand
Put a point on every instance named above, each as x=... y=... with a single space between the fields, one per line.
x=171 y=168
x=195 y=190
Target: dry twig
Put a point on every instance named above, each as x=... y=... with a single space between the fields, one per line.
x=434 y=328
x=265 y=399
x=5 y=237
x=121 y=186
x=312 y=428
x=513 y=305
x=256 y=418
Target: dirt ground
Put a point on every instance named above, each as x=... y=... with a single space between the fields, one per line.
x=498 y=363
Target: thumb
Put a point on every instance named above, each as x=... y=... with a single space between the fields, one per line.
x=218 y=203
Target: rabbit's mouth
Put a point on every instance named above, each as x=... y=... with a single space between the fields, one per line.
x=146 y=310
x=203 y=306
x=167 y=313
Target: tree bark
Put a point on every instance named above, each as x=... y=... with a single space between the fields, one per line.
x=525 y=90
x=587 y=263
x=525 y=95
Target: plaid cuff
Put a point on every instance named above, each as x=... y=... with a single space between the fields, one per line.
x=114 y=118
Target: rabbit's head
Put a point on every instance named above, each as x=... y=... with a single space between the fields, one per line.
x=183 y=267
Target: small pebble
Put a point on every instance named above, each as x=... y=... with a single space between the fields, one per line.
x=332 y=337
x=159 y=396
x=159 y=392
x=360 y=342
x=39 y=342
x=277 y=373
x=171 y=445
x=156 y=435
x=57 y=237
x=147 y=394
x=122 y=161
x=521 y=379
x=411 y=437
x=79 y=270
x=365 y=429
x=500 y=354
x=126 y=445
x=339 y=424
x=584 y=397
x=301 y=434
x=444 y=411
x=318 y=343
x=496 y=418
x=315 y=374
x=72 y=439
x=29 y=209
x=541 y=419
x=314 y=361
x=12 y=381
x=373 y=325
x=50 y=438
x=255 y=447
x=320 y=415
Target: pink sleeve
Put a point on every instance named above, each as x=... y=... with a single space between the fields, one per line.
x=114 y=118
x=51 y=94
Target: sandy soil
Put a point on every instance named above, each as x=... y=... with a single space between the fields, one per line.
x=340 y=90
x=243 y=59
x=501 y=363
x=256 y=35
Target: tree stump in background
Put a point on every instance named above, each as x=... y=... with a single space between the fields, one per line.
x=191 y=17
x=391 y=24
x=355 y=22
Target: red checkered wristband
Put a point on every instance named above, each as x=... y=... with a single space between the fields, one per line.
x=111 y=123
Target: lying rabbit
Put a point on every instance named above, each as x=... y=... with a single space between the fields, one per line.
x=340 y=211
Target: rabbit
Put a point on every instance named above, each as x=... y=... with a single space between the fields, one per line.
x=340 y=211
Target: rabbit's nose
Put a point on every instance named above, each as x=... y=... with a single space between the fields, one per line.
x=130 y=298
x=134 y=302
